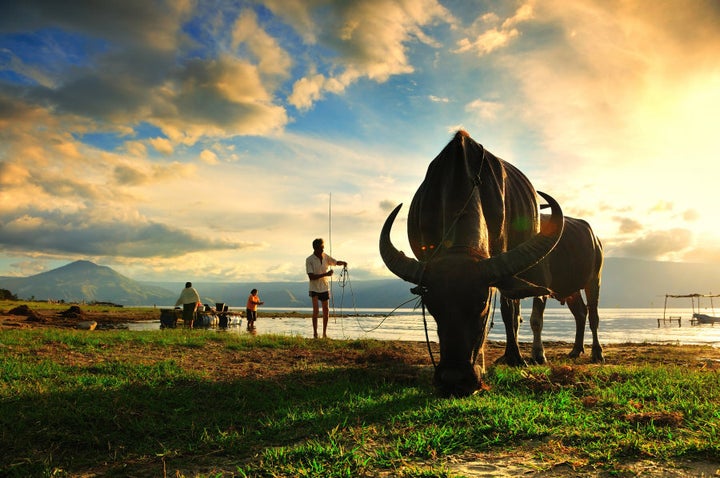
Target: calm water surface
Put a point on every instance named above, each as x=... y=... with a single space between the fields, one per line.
x=616 y=326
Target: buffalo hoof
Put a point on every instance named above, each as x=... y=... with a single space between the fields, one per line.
x=511 y=361
x=597 y=355
x=538 y=356
x=539 y=360
x=576 y=352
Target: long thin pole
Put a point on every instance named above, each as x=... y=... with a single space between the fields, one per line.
x=332 y=299
x=330 y=222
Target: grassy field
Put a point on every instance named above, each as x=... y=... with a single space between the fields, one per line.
x=193 y=403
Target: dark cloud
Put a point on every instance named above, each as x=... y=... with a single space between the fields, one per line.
x=61 y=187
x=387 y=205
x=129 y=176
x=62 y=233
x=628 y=225
x=11 y=108
x=98 y=96
x=140 y=22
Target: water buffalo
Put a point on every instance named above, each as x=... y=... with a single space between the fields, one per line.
x=574 y=264
x=473 y=224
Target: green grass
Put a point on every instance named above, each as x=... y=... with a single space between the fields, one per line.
x=112 y=413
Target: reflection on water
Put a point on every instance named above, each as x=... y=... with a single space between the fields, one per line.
x=616 y=326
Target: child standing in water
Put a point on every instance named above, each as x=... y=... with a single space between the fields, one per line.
x=251 y=308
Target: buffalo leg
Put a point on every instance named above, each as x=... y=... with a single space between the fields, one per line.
x=579 y=311
x=510 y=310
x=536 y=324
x=592 y=293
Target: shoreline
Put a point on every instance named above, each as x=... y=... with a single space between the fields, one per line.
x=41 y=314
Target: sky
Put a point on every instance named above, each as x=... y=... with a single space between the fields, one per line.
x=214 y=140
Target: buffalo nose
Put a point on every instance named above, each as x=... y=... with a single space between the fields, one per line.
x=452 y=376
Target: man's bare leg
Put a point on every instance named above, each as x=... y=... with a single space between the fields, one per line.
x=326 y=316
x=315 y=313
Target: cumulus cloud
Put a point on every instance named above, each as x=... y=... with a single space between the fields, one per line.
x=486 y=42
x=162 y=145
x=656 y=245
x=612 y=76
x=485 y=110
x=217 y=97
x=491 y=38
x=13 y=174
x=272 y=61
x=136 y=148
x=306 y=91
x=614 y=84
x=208 y=157
x=126 y=124
x=369 y=40
x=148 y=76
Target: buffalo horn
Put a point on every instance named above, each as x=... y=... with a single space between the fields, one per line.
x=399 y=264
x=530 y=252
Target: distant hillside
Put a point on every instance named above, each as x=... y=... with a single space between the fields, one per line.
x=626 y=283
x=384 y=293
x=85 y=281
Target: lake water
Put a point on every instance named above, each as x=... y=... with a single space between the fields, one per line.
x=616 y=326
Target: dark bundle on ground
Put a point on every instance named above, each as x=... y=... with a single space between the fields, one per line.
x=74 y=312
x=26 y=311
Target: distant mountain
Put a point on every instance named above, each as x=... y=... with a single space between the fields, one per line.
x=86 y=281
x=626 y=283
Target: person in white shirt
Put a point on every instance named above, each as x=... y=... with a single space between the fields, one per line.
x=317 y=265
x=190 y=300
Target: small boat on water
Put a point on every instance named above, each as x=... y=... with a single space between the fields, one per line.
x=698 y=318
x=705 y=319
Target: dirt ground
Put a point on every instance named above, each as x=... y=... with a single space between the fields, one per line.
x=521 y=461
x=24 y=315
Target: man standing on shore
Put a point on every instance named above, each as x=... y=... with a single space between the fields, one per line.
x=190 y=300
x=316 y=266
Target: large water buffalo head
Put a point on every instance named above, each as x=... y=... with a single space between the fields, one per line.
x=455 y=284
